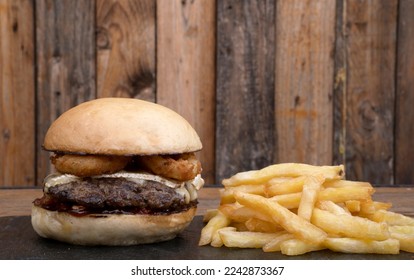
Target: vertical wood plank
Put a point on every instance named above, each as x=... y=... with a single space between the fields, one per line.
x=185 y=68
x=404 y=152
x=305 y=35
x=66 y=63
x=370 y=47
x=17 y=144
x=245 y=86
x=339 y=105
x=126 y=48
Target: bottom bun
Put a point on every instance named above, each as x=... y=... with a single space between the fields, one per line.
x=109 y=229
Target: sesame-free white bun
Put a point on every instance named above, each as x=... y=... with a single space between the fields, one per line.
x=109 y=229
x=121 y=126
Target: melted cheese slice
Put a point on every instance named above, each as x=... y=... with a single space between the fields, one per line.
x=187 y=189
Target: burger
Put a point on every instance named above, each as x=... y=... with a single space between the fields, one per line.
x=126 y=174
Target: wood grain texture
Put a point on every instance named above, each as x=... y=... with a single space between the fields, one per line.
x=404 y=115
x=315 y=81
x=65 y=38
x=18 y=202
x=17 y=93
x=186 y=68
x=305 y=37
x=370 y=84
x=126 y=48
x=245 y=86
x=339 y=89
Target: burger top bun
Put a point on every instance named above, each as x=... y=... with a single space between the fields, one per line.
x=121 y=126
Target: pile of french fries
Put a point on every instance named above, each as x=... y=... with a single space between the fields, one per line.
x=297 y=208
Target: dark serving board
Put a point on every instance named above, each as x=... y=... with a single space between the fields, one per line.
x=19 y=241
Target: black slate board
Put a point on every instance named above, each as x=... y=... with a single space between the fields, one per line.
x=19 y=241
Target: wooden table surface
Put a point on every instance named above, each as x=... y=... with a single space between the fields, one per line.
x=18 y=201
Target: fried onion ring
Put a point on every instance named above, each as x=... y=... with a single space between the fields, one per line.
x=89 y=165
x=180 y=167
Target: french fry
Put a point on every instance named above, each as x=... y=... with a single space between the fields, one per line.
x=353 y=205
x=244 y=213
x=239 y=226
x=215 y=223
x=406 y=242
x=370 y=207
x=227 y=193
x=294 y=247
x=278 y=180
x=404 y=234
x=284 y=170
x=216 y=239
x=258 y=225
x=392 y=218
x=346 y=183
x=228 y=209
x=339 y=195
x=349 y=226
x=274 y=244
x=289 y=201
x=246 y=239
x=332 y=207
x=299 y=208
x=309 y=195
x=210 y=213
x=294 y=185
x=350 y=245
x=282 y=216
x=409 y=230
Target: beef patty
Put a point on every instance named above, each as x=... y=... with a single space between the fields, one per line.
x=113 y=195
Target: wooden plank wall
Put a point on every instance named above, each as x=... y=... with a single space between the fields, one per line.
x=314 y=81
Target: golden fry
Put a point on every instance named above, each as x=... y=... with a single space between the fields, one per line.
x=210 y=213
x=349 y=226
x=294 y=247
x=353 y=205
x=404 y=234
x=346 y=183
x=339 y=195
x=332 y=207
x=215 y=223
x=408 y=230
x=239 y=226
x=392 y=218
x=244 y=213
x=246 y=239
x=274 y=245
x=309 y=195
x=284 y=170
x=228 y=209
x=294 y=185
x=216 y=239
x=299 y=208
x=370 y=207
x=258 y=225
x=289 y=201
x=350 y=245
x=282 y=216
x=226 y=194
